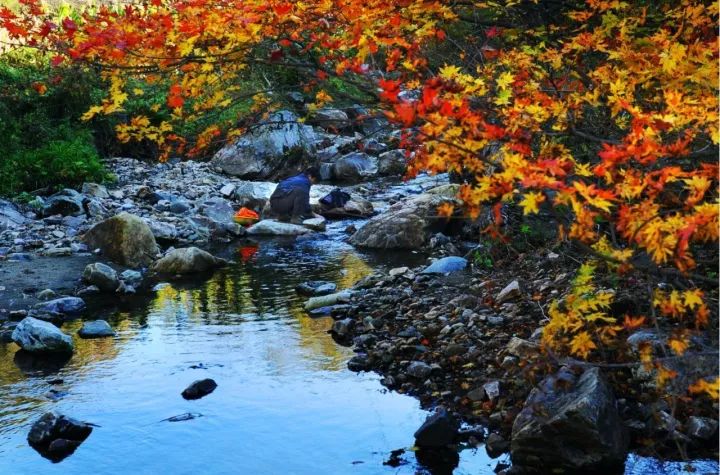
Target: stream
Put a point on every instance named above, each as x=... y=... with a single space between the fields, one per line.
x=285 y=403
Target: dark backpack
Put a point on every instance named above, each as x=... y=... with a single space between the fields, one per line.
x=335 y=199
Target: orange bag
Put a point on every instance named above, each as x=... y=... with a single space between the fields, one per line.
x=246 y=217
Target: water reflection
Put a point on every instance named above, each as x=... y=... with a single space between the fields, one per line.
x=285 y=402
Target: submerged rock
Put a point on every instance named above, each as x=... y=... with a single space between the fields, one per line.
x=200 y=388
x=56 y=436
x=187 y=261
x=125 y=239
x=439 y=430
x=570 y=423
x=316 y=288
x=96 y=329
x=39 y=336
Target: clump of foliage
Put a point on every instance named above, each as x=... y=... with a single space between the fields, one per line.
x=603 y=112
x=45 y=144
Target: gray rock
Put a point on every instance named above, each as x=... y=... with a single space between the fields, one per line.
x=263 y=151
x=328 y=118
x=393 y=162
x=162 y=231
x=96 y=329
x=39 y=336
x=187 y=261
x=511 y=291
x=71 y=306
x=271 y=227
x=227 y=190
x=10 y=217
x=521 y=348
x=132 y=277
x=315 y=224
x=405 y=225
x=125 y=239
x=701 y=427
x=418 y=369
x=496 y=445
x=101 y=275
x=343 y=328
x=328 y=300
x=45 y=295
x=572 y=425
x=355 y=167
x=316 y=288
x=439 y=430
x=492 y=390
x=446 y=265
x=253 y=194
x=95 y=190
x=67 y=202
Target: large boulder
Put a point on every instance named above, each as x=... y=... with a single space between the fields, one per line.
x=187 y=261
x=271 y=227
x=39 y=336
x=393 y=162
x=10 y=217
x=125 y=239
x=67 y=202
x=440 y=429
x=267 y=148
x=407 y=224
x=570 y=423
x=355 y=167
x=104 y=276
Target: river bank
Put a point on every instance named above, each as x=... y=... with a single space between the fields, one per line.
x=466 y=340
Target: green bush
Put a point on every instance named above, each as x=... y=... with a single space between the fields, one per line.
x=58 y=163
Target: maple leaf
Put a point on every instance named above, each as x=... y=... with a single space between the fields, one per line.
x=531 y=202
x=582 y=344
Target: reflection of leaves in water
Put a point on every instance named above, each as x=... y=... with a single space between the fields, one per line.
x=355 y=269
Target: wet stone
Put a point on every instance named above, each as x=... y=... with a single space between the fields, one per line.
x=199 y=389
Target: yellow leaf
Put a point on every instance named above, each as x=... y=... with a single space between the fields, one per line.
x=531 y=201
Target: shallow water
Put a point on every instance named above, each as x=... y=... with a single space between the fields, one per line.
x=285 y=402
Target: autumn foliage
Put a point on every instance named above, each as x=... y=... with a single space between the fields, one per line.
x=603 y=113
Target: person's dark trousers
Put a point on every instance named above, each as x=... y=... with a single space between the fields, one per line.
x=292 y=205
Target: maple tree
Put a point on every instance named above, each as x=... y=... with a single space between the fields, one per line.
x=603 y=112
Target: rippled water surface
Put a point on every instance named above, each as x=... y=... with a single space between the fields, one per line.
x=285 y=402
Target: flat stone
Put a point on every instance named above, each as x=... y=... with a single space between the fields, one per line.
x=96 y=329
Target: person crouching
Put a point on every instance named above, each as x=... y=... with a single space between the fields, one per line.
x=291 y=198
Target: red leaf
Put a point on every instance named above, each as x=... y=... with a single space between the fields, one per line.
x=282 y=8
x=406 y=113
x=57 y=60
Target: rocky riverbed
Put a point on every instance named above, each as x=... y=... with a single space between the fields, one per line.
x=459 y=335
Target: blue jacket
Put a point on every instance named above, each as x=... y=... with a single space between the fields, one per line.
x=300 y=181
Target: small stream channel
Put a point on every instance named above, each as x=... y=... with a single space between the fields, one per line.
x=285 y=402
